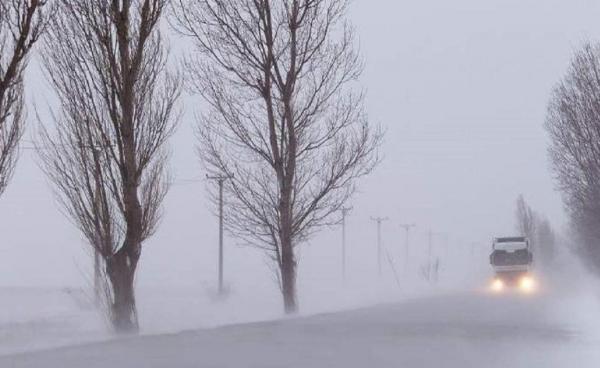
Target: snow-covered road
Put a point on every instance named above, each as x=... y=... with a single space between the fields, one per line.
x=460 y=330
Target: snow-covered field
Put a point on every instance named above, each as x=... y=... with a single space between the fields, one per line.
x=35 y=318
x=451 y=330
x=374 y=324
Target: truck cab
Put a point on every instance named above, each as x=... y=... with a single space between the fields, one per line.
x=512 y=261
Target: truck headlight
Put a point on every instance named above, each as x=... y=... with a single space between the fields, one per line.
x=497 y=285
x=527 y=284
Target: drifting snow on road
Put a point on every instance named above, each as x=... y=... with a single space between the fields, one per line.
x=460 y=330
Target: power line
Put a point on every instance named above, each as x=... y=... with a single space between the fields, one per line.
x=391 y=262
x=185 y=181
x=32 y=145
x=35 y=147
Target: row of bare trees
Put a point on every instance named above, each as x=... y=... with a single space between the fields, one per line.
x=538 y=230
x=573 y=123
x=285 y=119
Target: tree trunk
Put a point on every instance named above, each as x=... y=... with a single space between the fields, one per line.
x=97 y=278
x=288 y=259
x=288 y=283
x=121 y=271
x=288 y=278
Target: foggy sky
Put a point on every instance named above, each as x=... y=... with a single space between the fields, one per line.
x=461 y=88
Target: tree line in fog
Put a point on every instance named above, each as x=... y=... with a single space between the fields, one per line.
x=284 y=121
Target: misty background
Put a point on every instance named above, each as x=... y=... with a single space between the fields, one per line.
x=461 y=89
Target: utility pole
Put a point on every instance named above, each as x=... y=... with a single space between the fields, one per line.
x=429 y=245
x=406 y=228
x=379 y=220
x=430 y=251
x=345 y=211
x=220 y=179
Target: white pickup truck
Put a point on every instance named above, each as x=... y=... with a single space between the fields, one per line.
x=512 y=261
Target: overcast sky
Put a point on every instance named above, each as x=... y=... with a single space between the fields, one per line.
x=461 y=88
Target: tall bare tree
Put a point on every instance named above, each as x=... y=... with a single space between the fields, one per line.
x=106 y=157
x=21 y=24
x=538 y=229
x=526 y=219
x=284 y=120
x=546 y=240
x=573 y=123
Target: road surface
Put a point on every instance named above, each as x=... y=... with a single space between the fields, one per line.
x=461 y=330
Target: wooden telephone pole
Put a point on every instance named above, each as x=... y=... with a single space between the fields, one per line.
x=345 y=211
x=379 y=221
x=406 y=228
x=220 y=179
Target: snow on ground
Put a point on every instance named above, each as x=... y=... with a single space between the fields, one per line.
x=37 y=318
x=452 y=330
x=377 y=323
x=40 y=318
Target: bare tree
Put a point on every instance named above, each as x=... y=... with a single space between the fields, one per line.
x=284 y=117
x=546 y=240
x=526 y=219
x=538 y=229
x=573 y=123
x=106 y=157
x=21 y=24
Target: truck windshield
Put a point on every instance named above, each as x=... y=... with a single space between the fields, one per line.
x=510 y=246
x=504 y=258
